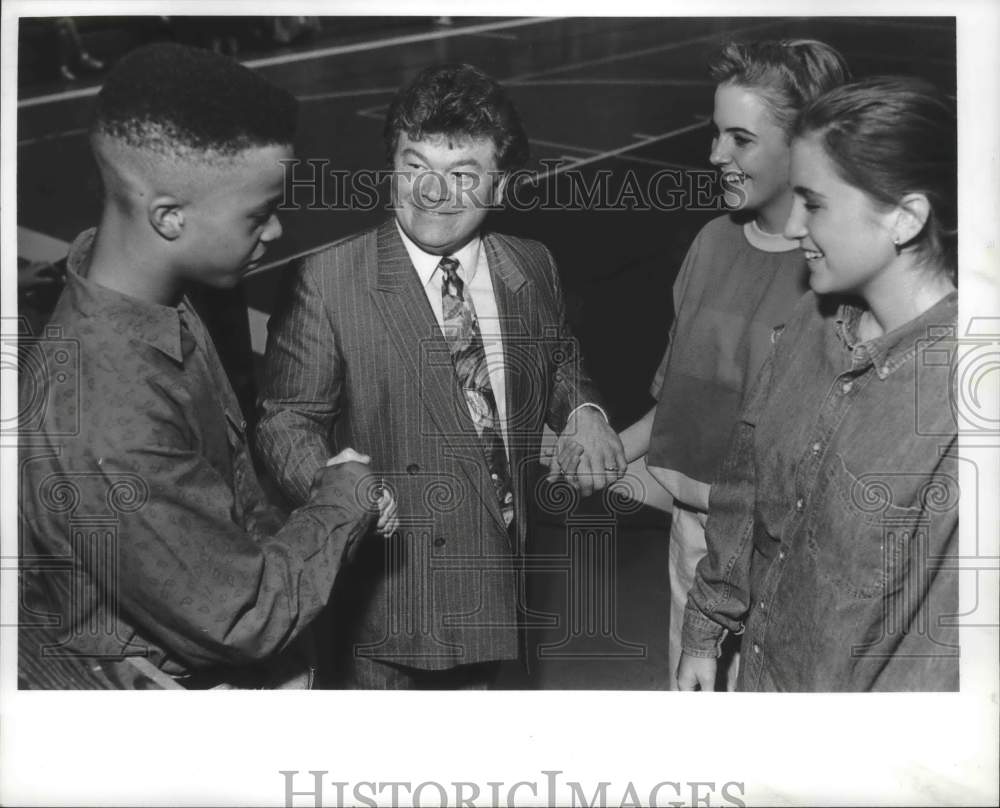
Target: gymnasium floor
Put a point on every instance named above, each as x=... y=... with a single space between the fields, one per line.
x=627 y=97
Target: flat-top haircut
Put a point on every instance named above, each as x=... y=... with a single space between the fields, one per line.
x=786 y=73
x=178 y=101
x=459 y=101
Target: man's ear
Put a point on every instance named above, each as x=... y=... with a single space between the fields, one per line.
x=911 y=216
x=167 y=217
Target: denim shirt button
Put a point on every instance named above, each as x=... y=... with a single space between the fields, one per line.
x=846 y=387
x=800 y=504
x=816 y=447
x=781 y=555
x=756 y=648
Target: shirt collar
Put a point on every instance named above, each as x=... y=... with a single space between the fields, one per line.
x=426 y=264
x=153 y=323
x=767 y=242
x=888 y=351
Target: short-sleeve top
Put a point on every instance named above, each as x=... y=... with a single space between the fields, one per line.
x=736 y=286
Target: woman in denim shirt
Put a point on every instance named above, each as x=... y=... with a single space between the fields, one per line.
x=833 y=527
x=740 y=278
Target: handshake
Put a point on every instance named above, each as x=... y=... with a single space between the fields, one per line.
x=588 y=454
x=388 y=518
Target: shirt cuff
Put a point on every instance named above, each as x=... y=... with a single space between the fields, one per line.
x=589 y=404
x=701 y=636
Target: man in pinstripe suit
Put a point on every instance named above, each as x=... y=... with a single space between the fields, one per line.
x=365 y=354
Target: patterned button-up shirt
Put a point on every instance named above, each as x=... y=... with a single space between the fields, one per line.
x=833 y=527
x=145 y=529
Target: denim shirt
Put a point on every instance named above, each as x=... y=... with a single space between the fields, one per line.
x=835 y=514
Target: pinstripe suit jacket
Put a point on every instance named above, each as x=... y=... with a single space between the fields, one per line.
x=356 y=358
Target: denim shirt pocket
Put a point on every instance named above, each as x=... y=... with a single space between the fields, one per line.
x=860 y=538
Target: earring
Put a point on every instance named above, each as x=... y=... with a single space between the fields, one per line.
x=896 y=245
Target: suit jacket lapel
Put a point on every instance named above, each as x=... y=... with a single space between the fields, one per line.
x=402 y=303
x=514 y=305
x=409 y=321
x=508 y=283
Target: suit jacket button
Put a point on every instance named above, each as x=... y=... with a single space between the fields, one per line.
x=439 y=542
x=413 y=468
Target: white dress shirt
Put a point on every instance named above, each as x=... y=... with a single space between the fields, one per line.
x=474 y=270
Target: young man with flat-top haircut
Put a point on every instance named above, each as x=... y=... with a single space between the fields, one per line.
x=148 y=537
x=442 y=348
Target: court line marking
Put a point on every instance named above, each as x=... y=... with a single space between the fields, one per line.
x=626 y=157
x=491 y=35
x=853 y=56
x=376 y=112
x=52 y=136
x=605 y=155
x=277 y=262
x=319 y=53
x=308 y=97
x=557 y=145
x=649 y=161
x=409 y=39
x=897 y=23
x=345 y=94
x=615 y=82
x=35 y=246
x=616 y=57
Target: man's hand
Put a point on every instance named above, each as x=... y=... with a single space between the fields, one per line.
x=602 y=459
x=388 y=517
x=388 y=511
x=562 y=459
x=696 y=673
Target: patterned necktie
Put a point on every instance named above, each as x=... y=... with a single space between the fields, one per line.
x=461 y=329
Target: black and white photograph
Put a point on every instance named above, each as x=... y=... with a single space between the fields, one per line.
x=637 y=368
